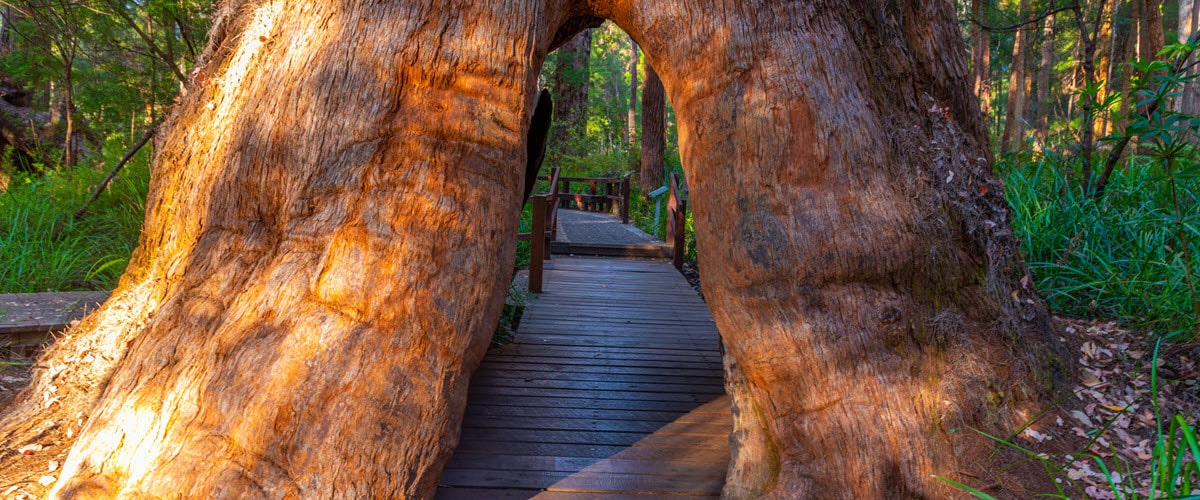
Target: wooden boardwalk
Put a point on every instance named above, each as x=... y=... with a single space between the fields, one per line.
x=612 y=389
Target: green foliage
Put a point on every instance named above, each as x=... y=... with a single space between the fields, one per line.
x=510 y=315
x=1114 y=257
x=119 y=63
x=46 y=247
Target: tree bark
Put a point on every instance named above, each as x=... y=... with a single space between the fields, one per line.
x=981 y=55
x=1105 y=48
x=1151 y=40
x=1188 y=101
x=330 y=233
x=1014 y=122
x=631 y=120
x=833 y=348
x=571 y=77
x=1087 y=102
x=654 y=130
x=1045 y=71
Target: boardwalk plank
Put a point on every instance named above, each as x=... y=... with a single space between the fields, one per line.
x=613 y=388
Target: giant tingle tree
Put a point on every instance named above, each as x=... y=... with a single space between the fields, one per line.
x=330 y=234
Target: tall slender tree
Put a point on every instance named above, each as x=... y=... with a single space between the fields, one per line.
x=1014 y=122
x=654 y=127
x=1189 y=22
x=631 y=120
x=1045 y=71
x=571 y=76
x=981 y=55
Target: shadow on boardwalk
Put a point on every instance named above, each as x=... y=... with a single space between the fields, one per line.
x=612 y=388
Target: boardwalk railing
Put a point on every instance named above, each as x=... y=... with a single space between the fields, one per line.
x=677 y=221
x=599 y=195
x=545 y=215
x=544 y=230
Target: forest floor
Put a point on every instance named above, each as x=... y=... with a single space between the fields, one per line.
x=1110 y=415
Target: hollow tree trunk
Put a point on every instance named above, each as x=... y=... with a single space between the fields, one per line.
x=329 y=234
x=654 y=132
x=856 y=251
x=331 y=223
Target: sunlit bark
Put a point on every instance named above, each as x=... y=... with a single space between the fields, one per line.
x=331 y=223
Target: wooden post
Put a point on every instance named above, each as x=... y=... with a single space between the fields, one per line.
x=537 y=243
x=679 y=244
x=625 y=200
x=676 y=223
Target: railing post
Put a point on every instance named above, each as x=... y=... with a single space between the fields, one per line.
x=676 y=222
x=537 y=243
x=679 y=245
x=625 y=200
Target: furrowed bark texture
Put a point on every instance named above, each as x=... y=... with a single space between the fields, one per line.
x=331 y=223
x=857 y=254
x=327 y=245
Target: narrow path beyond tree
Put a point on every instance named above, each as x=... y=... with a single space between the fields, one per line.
x=612 y=388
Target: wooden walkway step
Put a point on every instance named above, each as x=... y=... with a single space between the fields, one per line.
x=612 y=389
x=28 y=319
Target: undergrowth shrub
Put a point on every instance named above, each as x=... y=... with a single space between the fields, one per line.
x=44 y=246
x=1117 y=256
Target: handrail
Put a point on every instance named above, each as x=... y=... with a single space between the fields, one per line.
x=544 y=230
x=616 y=189
x=677 y=221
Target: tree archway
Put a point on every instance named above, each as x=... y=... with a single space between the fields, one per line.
x=327 y=245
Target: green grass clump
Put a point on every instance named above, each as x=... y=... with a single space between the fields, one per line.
x=1120 y=256
x=44 y=246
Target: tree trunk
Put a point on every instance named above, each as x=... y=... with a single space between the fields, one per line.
x=1188 y=101
x=981 y=55
x=330 y=234
x=1105 y=44
x=654 y=130
x=571 y=77
x=69 y=149
x=1151 y=40
x=1087 y=102
x=1045 y=71
x=1014 y=122
x=631 y=120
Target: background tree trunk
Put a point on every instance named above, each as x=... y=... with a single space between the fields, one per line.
x=654 y=130
x=864 y=276
x=1045 y=71
x=571 y=93
x=631 y=121
x=981 y=55
x=1105 y=48
x=1151 y=40
x=1014 y=122
x=1189 y=21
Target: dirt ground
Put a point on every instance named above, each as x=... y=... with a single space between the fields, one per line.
x=1108 y=423
x=1109 y=417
